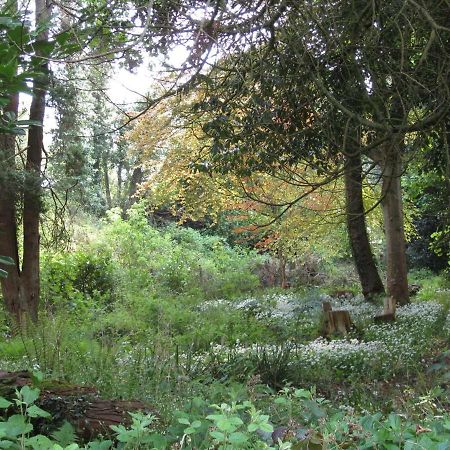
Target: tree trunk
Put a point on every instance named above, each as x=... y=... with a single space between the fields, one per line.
x=282 y=269
x=11 y=286
x=357 y=231
x=135 y=180
x=106 y=179
x=392 y=204
x=32 y=193
x=119 y=183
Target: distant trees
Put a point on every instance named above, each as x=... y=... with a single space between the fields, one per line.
x=320 y=82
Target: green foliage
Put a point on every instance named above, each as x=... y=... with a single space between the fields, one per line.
x=176 y=260
x=290 y=419
x=7 y=261
x=433 y=287
x=78 y=280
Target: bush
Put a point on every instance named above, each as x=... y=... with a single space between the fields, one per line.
x=78 y=280
x=176 y=260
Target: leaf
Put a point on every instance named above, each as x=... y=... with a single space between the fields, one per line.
x=99 y=445
x=3 y=273
x=7 y=261
x=65 y=434
x=217 y=435
x=237 y=438
x=4 y=403
x=35 y=411
x=9 y=70
x=29 y=395
x=394 y=421
x=184 y=421
x=40 y=442
x=314 y=409
x=36 y=377
x=15 y=426
x=267 y=427
x=302 y=393
x=26 y=123
x=9 y=22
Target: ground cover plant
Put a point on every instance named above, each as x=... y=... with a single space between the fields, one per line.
x=248 y=370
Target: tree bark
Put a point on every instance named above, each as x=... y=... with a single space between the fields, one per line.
x=370 y=280
x=119 y=182
x=11 y=286
x=106 y=180
x=282 y=269
x=33 y=189
x=135 y=180
x=392 y=204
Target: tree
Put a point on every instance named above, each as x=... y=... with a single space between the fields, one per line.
x=378 y=70
x=168 y=149
x=21 y=288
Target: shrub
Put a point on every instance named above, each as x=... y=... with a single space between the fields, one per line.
x=78 y=280
x=176 y=260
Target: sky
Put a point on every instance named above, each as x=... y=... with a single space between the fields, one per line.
x=126 y=87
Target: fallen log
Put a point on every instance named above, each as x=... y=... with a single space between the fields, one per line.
x=81 y=406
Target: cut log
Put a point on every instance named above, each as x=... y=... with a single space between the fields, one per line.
x=335 y=321
x=81 y=406
x=384 y=318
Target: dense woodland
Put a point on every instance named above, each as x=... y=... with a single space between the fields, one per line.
x=251 y=253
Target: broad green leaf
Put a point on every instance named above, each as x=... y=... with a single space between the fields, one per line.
x=99 y=445
x=15 y=426
x=237 y=438
x=217 y=435
x=4 y=403
x=29 y=395
x=394 y=421
x=35 y=411
x=267 y=427
x=40 y=442
x=65 y=435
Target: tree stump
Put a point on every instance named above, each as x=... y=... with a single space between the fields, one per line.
x=81 y=406
x=337 y=321
x=388 y=314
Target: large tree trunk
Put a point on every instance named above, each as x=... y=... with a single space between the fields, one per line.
x=32 y=203
x=33 y=189
x=392 y=204
x=11 y=286
x=357 y=231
